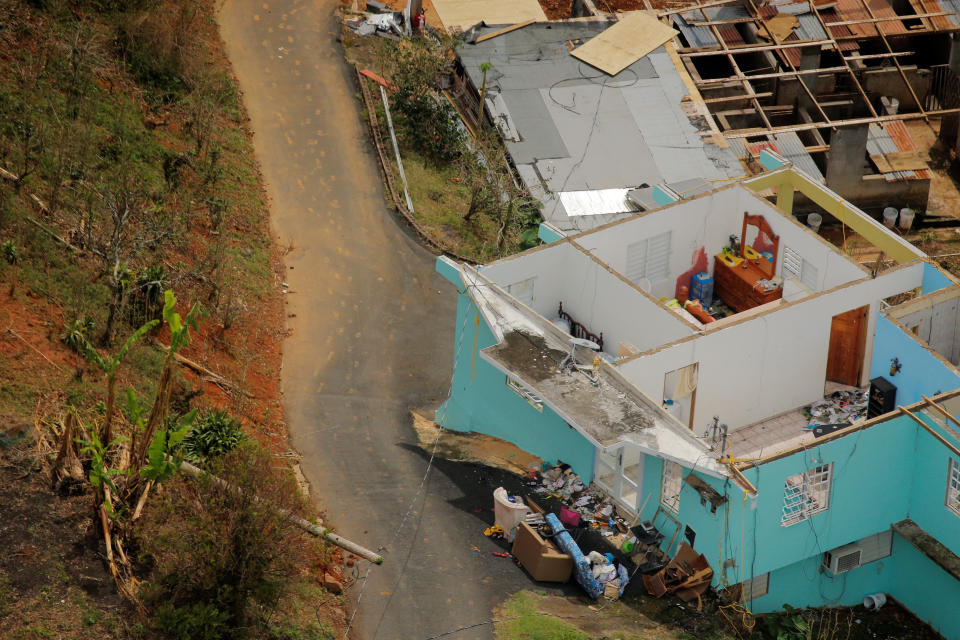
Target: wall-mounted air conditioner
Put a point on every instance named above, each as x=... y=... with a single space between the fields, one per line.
x=856 y=554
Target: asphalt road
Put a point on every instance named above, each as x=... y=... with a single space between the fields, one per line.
x=372 y=333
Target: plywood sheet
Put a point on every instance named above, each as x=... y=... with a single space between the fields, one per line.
x=463 y=14
x=634 y=36
x=902 y=161
x=780 y=27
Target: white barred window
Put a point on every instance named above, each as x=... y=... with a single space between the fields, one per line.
x=953 y=487
x=670 y=484
x=526 y=393
x=806 y=494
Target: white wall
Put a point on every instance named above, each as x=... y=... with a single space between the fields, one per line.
x=938 y=325
x=594 y=296
x=833 y=268
x=707 y=222
x=604 y=302
x=773 y=363
x=704 y=222
x=546 y=265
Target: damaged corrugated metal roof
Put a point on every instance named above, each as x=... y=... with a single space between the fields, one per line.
x=789 y=145
x=581 y=130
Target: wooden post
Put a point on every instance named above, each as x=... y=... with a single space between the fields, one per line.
x=946 y=414
x=306 y=525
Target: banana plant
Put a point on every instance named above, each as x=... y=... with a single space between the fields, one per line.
x=164 y=455
x=109 y=365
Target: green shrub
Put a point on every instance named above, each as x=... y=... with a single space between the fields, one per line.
x=193 y=621
x=76 y=334
x=214 y=434
x=222 y=555
x=10 y=252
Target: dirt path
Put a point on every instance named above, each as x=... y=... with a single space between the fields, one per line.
x=372 y=328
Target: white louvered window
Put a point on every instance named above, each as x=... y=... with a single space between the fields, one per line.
x=953 y=487
x=526 y=393
x=806 y=494
x=523 y=290
x=670 y=484
x=649 y=259
x=752 y=589
x=792 y=264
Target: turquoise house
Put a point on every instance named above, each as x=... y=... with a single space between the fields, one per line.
x=578 y=352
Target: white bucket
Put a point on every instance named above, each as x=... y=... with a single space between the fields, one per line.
x=906 y=219
x=889 y=217
x=890 y=105
x=508 y=514
x=874 y=601
x=814 y=220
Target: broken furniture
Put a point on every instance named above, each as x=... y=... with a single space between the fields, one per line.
x=540 y=557
x=688 y=575
x=577 y=330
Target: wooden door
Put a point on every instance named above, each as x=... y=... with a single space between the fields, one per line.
x=845 y=358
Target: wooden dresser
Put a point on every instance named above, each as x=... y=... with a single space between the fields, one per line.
x=735 y=285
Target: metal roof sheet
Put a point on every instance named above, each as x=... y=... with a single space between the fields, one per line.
x=879 y=141
x=596 y=202
x=582 y=131
x=787 y=145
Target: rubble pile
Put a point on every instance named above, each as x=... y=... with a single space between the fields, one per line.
x=580 y=502
x=840 y=407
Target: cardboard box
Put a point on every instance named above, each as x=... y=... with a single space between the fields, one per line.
x=542 y=560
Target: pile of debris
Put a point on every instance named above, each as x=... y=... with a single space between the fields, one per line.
x=840 y=408
x=580 y=502
x=688 y=575
x=379 y=20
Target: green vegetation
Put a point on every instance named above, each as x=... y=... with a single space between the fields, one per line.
x=120 y=149
x=465 y=194
x=528 y=623
x=125 y=169
x=222 y=558
x=214 y=434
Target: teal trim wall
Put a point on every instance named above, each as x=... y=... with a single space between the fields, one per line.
x=929 y=483
x=881 y=475
x=933 y=279
x=804 y=584
x=924 y=588
x=481 y=401
x=907 y=575
x=548 y=234
x=922 y=373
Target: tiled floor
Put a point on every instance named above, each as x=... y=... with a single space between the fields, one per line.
x=777 y=433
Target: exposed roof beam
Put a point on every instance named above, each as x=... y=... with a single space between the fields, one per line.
x=852 y=122
x=874 y=20
x=750 y=48
x=741 y=96
x=767 y=76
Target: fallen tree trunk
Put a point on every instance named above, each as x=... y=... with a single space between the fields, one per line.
x=306 y=525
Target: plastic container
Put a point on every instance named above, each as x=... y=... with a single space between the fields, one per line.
x=701 y=288
x=890 y=105
x=874 y=601
x=814 y=220
x=889 y=217
x=508 y=514
x=906 y=219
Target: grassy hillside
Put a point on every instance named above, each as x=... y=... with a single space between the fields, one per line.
x=125 y=169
